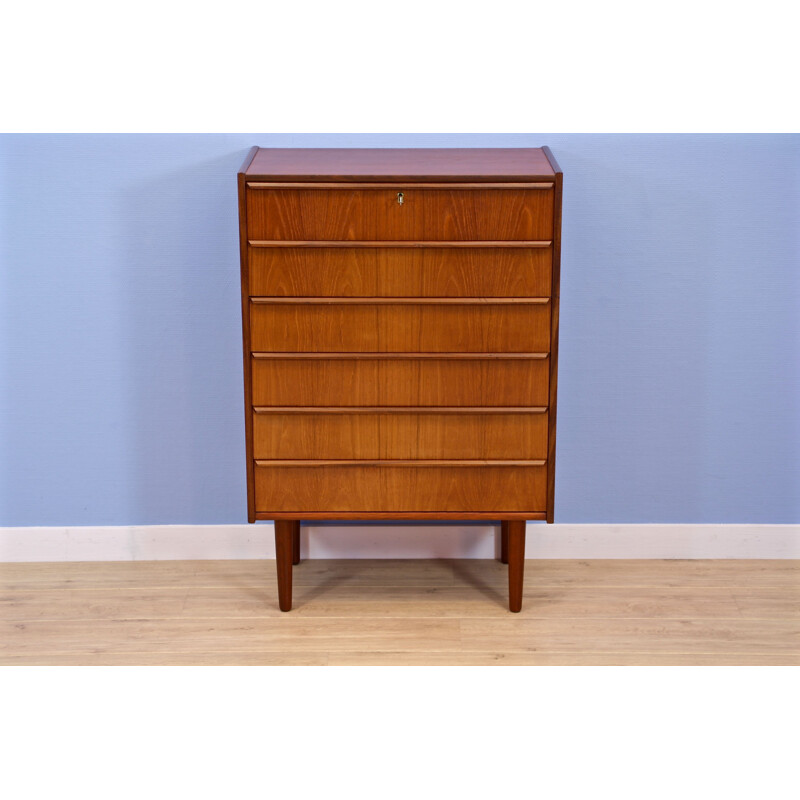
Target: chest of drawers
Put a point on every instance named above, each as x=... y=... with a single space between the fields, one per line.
x=400 y=328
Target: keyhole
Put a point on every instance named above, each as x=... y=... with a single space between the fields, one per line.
x=400 y=198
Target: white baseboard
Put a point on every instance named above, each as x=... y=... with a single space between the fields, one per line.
x=395 y=540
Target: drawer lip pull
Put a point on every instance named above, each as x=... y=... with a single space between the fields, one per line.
x=523 y=243
x=390 y=516
x=402 y=356
x=399 y=301
x=403 y=462
x=415 y=410
x=396 y=185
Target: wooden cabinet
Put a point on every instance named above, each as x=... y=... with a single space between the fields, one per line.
x=400 y=322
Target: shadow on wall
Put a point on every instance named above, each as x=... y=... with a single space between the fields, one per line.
x=376 y=539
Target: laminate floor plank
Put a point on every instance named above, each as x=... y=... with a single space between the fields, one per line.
x=222 y=574
x=767 y=602
x=557 y=659
x=731 y=573
x=446 y=612
x=233 y=658
x=629 y=573
x=400 y=658
x=220 y=635
x=348 y=601
x=634 y=635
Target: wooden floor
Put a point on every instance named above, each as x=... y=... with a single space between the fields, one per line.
x=401 y=612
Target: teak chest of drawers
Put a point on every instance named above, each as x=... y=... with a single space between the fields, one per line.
x=400 y=321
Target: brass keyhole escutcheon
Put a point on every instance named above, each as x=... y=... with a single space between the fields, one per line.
x=400 y=198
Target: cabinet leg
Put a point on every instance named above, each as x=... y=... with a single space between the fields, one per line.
x=284 y=536
x=504 y=542
x=296 y=542
x=516 y=563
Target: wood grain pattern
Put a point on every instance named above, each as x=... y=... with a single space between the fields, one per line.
x=398 y=589
x=354 y=488
x=418 y=433
x=428 y=612
x=426 y=164
x=400 y=328
x=400 y=382
x=660 y=636
x=401 y=272
x=364 y=214
x=393 y=657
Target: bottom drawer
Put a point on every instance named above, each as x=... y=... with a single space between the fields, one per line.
x=381 y=488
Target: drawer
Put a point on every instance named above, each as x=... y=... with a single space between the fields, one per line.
x=400 y=271
x=395 y=434
x=395 y=326
x=393 y=381
x=364 y=212
x=381 y=488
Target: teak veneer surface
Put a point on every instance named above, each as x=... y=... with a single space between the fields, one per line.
x=418 y=433
x=379 y=286
x=375 y=214
x=400 y=382
x=380 y=487
x=350 y=164
x=400 y=272
x=400 y=328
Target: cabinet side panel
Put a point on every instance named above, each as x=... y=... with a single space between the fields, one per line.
x=555 y=295
x=245 y=281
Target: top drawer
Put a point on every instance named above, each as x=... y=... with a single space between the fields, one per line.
x=382 y=212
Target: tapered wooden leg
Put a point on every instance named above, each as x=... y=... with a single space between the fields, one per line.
x=284 y=535
x=504 y=542
x=296 y=542
x=516 y=563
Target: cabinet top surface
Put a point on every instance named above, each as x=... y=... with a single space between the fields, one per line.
x=446 y=164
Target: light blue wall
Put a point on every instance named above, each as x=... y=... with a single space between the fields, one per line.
x=120 y=342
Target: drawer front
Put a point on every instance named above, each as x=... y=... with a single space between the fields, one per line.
x=370 y=214
x=394 y=435
x=400 y=327
x=356 y=488
x=400 y=271
x=364 y=381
